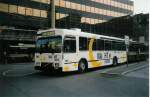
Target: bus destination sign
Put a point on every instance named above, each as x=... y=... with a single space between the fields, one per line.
x=49 y=33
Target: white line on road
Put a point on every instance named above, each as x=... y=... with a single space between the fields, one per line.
x=123 y=66
x=135 y=69
x=6 y=73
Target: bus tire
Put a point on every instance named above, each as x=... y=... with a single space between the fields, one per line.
x=115 y=61
x=82 y=67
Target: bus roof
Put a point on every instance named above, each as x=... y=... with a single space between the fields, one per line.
x=78 y=32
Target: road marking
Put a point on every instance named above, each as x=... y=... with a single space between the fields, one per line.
x=6 y=73
x=135 y=69
x=123 y=66
x=112 y=68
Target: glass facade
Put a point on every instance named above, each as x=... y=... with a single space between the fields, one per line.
x=84 y=14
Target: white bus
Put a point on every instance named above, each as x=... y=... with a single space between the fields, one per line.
x=73 y=50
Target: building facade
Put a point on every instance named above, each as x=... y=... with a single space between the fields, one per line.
x=69 y=13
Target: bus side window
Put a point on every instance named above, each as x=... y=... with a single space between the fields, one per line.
x=83 y=43
x=94 y=44
x=123 y=46
x=69 y=45
x=114 y=46
x=108 y=45
x=118 y=46
x=100 y=44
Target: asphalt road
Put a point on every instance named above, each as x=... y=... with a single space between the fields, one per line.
x=21 y=80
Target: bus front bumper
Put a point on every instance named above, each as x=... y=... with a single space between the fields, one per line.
x=47 y=67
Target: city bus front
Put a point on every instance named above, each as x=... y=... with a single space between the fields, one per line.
x=48 y=54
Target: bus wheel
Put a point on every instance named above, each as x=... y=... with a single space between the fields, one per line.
x=115 y=61
x=82 y=67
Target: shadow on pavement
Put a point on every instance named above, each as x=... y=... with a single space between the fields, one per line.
x=66 y=74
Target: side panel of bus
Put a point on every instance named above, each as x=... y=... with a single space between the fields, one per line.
x=103 y=58
x=94 y=58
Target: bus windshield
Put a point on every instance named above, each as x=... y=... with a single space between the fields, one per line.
x=52 y=44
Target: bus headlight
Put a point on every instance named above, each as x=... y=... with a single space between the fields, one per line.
x=38 y=64
x=56 y=65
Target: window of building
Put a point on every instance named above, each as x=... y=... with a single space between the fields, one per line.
x=57 y=16
x=100 y=11
x=36 y=0
x=83 y=43
x=83 y=7
x=88 y=20
x=112 y=13
x=49 y=1
x=57 y=2
x=120 y=5
x=108 y=2
x=112 y=3
x=92 y=10
x=61 y=15
x=68 y=4
x=36 y=12
x=88 y=9
x=3 y=7
x=83 y=20
x=100 y=21
x=92 y=21
x=132 y=8
x=95 y=21
x=42 y=1
x=62 y=3
x=105 y=1
x=12 y=8
x=104 y=12
x=96 y=10
x=45 y=1
x=21 y=10
x=100 y=1
x=29 y=11
x=93 y=0
x=78 y=6
x=43 y=13
x=108 y=13
x=73 y=5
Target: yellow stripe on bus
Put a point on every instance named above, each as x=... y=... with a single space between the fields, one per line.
x=91 y=55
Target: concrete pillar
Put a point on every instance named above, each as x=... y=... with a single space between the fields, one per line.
x=52 y=13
